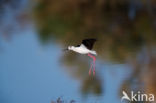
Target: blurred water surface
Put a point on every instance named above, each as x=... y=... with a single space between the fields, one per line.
x=34 y=69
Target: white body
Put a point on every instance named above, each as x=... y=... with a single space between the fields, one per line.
x=82 y=50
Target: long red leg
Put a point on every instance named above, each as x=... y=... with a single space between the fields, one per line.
x=94 y=68
x=90 y=70
x=94 y=59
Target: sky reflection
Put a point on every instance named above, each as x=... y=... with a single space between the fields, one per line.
x=31 y=73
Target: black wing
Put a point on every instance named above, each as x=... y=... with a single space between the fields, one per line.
x=88 y=43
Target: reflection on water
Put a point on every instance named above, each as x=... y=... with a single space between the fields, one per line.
x=126 y=49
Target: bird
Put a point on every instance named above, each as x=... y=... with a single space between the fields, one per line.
x=86 y=48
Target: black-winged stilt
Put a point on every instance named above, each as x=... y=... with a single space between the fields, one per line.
x=86 y=48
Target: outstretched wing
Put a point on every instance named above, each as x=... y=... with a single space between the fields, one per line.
x=88 y=43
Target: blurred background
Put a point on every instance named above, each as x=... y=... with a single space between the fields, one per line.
x=34 y=69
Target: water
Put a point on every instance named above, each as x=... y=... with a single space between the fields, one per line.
x=34 y=69
x=32 y=73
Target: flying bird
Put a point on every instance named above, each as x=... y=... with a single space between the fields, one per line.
x=86 y=48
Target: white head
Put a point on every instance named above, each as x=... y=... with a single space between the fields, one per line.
x=71 y=47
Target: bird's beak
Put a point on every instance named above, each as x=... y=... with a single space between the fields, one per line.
x=65 y=49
